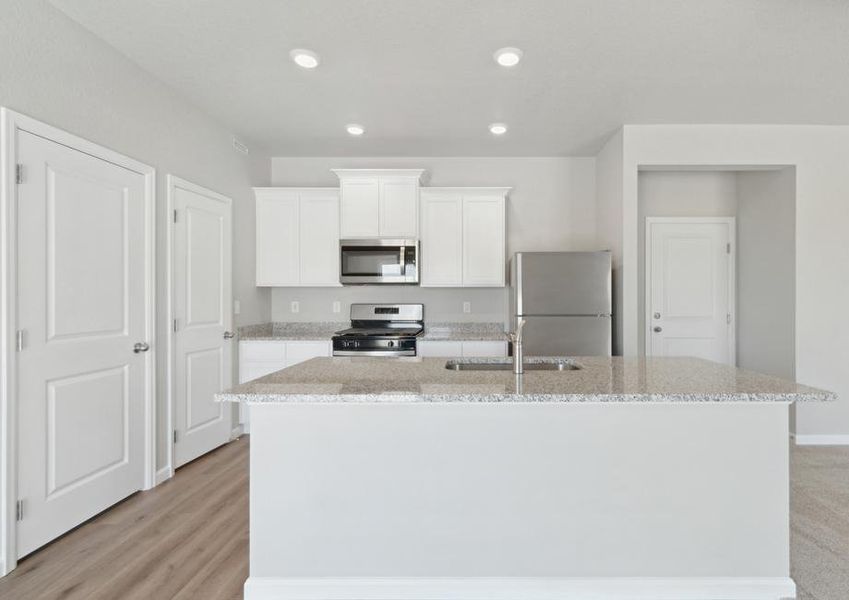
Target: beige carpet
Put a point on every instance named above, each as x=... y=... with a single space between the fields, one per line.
x=819 y=522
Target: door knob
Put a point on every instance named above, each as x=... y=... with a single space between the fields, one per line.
x=657 y=329
x=228 y=335
x=141 y=347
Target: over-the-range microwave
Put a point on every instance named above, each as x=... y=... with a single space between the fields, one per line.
x=378 y=261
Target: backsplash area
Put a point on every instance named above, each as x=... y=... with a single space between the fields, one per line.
x=441 y=304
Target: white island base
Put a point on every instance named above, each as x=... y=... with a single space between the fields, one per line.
x=519 y=501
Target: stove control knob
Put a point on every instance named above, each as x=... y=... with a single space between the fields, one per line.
x=391 y=343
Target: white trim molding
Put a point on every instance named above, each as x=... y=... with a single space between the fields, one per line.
x=11 y=123
x=524 y=588
x=837 y=439
x=163 y=475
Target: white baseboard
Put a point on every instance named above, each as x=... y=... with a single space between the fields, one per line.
x=163 y=474
x=822 y=440
x=520 y=588
x=237 y=431
x=3 y=571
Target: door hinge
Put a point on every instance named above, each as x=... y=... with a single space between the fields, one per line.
x=728 y=248
x=19 y=173
x=19 y=340
x=175 y=215
x=175 y=325
x=175 y=436
x=19 y=510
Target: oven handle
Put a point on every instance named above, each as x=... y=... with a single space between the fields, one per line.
x=374 y=353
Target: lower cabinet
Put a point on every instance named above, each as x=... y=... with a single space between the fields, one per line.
x=465 y=349
x=261 y=357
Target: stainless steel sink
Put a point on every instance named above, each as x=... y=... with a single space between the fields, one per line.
x=549 y=365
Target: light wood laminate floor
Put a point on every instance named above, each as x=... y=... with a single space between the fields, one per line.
x=188 y=538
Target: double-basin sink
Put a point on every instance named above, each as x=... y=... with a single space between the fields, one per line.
x=545 y=364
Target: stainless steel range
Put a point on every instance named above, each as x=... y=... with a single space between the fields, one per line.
x=381 y=330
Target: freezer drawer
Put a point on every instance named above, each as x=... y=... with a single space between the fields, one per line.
x=568 y=336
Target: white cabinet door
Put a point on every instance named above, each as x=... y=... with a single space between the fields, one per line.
x=483 y=240
x=251 y=371
x=446 y=349
x=484 y=349
x=319 y=238
x=397 y=207
x=262 y=351
x=277 y=239
x=360 y=208
x=297 y=352
x=442 y=239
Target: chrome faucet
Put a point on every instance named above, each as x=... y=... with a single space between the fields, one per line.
x=515 y=338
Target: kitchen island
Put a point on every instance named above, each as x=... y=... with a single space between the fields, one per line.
x=625 y=478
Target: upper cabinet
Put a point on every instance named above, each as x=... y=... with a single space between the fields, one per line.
x=379 y=203
x=297 y=237
x=463 y=237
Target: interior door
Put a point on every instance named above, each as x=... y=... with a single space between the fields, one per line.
x=203 y=310
x=689 y=303
x=81 y=387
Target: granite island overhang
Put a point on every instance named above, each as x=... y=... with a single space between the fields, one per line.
x=626 y=478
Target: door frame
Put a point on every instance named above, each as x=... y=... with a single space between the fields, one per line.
x=173 y=183
x=731 y=222
x=11 y=123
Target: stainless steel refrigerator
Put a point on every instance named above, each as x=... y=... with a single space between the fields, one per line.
x=565 y=299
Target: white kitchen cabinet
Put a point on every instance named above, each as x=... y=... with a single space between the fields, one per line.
x=472 y=349
x=442 y=239
x=258 y=358
x=463 y=237
x=461 y=348
x=298 y=352
x=439 y=348
x=359 y=207
x=297 y=240
x=379 y=203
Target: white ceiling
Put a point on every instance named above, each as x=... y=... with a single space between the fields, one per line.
x=419 y=75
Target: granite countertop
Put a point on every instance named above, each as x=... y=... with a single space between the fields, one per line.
x=599 y=379
x=290 y=331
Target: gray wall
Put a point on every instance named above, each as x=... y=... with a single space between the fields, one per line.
x=678 y=194
x=57 y=72
x=766 y=272
x=551 y=207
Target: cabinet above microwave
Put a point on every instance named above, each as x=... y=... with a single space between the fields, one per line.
x=379 y=203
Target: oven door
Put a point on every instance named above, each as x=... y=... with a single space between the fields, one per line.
x=378 y=261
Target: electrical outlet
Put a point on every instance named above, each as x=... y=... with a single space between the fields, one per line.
x=467 y=307
x=237 y=307
x=295 y=306
x=337 y=306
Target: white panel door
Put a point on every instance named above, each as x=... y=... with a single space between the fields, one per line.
x=359 y=208
x=689 y=290
x=277 y=239
x=442 y=239
x=319 y=238
x=203 y=309
x=81 y=387
x=483 y=241
x=398 y=208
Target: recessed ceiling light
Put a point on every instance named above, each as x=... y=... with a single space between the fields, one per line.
x=304 y=58
x=508 y=57
x=355 y=129
x=498 y=129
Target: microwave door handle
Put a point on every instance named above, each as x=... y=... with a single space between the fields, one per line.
x=403 y=254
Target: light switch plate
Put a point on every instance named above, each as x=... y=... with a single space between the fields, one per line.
x=295 y=306
x=467 y=307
